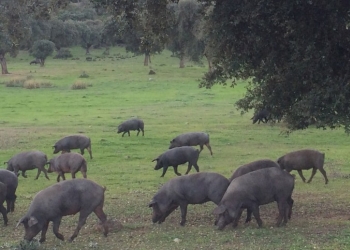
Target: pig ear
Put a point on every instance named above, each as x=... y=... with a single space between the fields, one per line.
x=152 y=203
x=219 y=210
x=155 y=159
x=54 y=147
x=23 y=219
x=32 y=221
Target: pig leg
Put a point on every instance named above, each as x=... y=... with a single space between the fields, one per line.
x=23 y=174
x=235 y=221
x=281 y=212
x=37 y=175
x=290 y=203
x=83 y=169
x=312 y=174
x=249 y=215
x=256 y=213
x=58 y=177
x=201 y=148
x=43 y=232
x=165 y=168
x=323 y=172
x=301 y=175
x=138 y=131
x=176 y=172
x=82 y=220
x=196 y=167
x=129 y=132
x=89 y=150
x=4 y=214
x=82 y=151
x=209 y=147
x=124 y=133
x=189 y=167
x=56 y=226
x=183 y=207
x=73 y=175
x=103 y=218
x=143 y=132
x=45 y=173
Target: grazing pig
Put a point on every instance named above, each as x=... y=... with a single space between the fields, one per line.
x=3 y=192
x=132 y=124
x=254 y=189
x=27 y=161
x=61 y=199
x=191 y=139
x=177 y=156
x=180 y=191
x=11 y=181
x=304 y=159
x=253 y=166
x=261 y=116
x=67 y=163
x=73 y=142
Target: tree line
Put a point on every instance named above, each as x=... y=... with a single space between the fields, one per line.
x=295 y=54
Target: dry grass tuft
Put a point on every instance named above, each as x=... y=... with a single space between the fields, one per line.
x=15 y=82
x=79 y=85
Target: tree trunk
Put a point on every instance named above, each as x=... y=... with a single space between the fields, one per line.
x=3 y=64
x=87 y=51
x=145 y=62
x=42 y=62
x=210 y=64
x=182 y=61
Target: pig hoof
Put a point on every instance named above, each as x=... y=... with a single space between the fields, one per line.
x=182 y=223
x=42 y=240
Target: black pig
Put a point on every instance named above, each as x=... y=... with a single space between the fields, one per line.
x=177 y=156
x=61 y=199
x=304 y=159
x=254 y=189
x=132 y=124
x=73 y=142
x=191 y=139
x=180 y=191
x=27 y=161
x=11 y=181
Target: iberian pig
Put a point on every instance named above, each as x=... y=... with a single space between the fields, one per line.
x=253 y=189
x=61 y=199
x=73 y=142
x=3 y=191
x=132 y=124
x=67 y=163
x=180 y=191
x=177 y=156
x=253 y=166
x=304 y=159
x=11 y=181
x=250 y=167
x=191 y=139
x=27 y=161
x=262 y=115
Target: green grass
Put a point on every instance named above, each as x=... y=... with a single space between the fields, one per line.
x=170 y=103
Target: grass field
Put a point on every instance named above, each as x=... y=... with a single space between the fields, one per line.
x=170 y=103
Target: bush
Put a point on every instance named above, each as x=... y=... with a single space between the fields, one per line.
x=79 y=85
x=84 y=75
x=15 y=82
x=63 y=54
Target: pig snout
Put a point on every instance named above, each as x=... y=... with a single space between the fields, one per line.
x=221 y=222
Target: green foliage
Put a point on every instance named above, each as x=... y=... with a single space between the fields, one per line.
x=63 y=54
x=42 y=49
x=297 y=57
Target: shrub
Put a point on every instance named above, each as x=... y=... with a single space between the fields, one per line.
x=79 y=85
x=63 y=54
x=15 y=82
x=84 y=75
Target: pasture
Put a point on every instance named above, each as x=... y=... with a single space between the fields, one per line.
x=170 y=103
